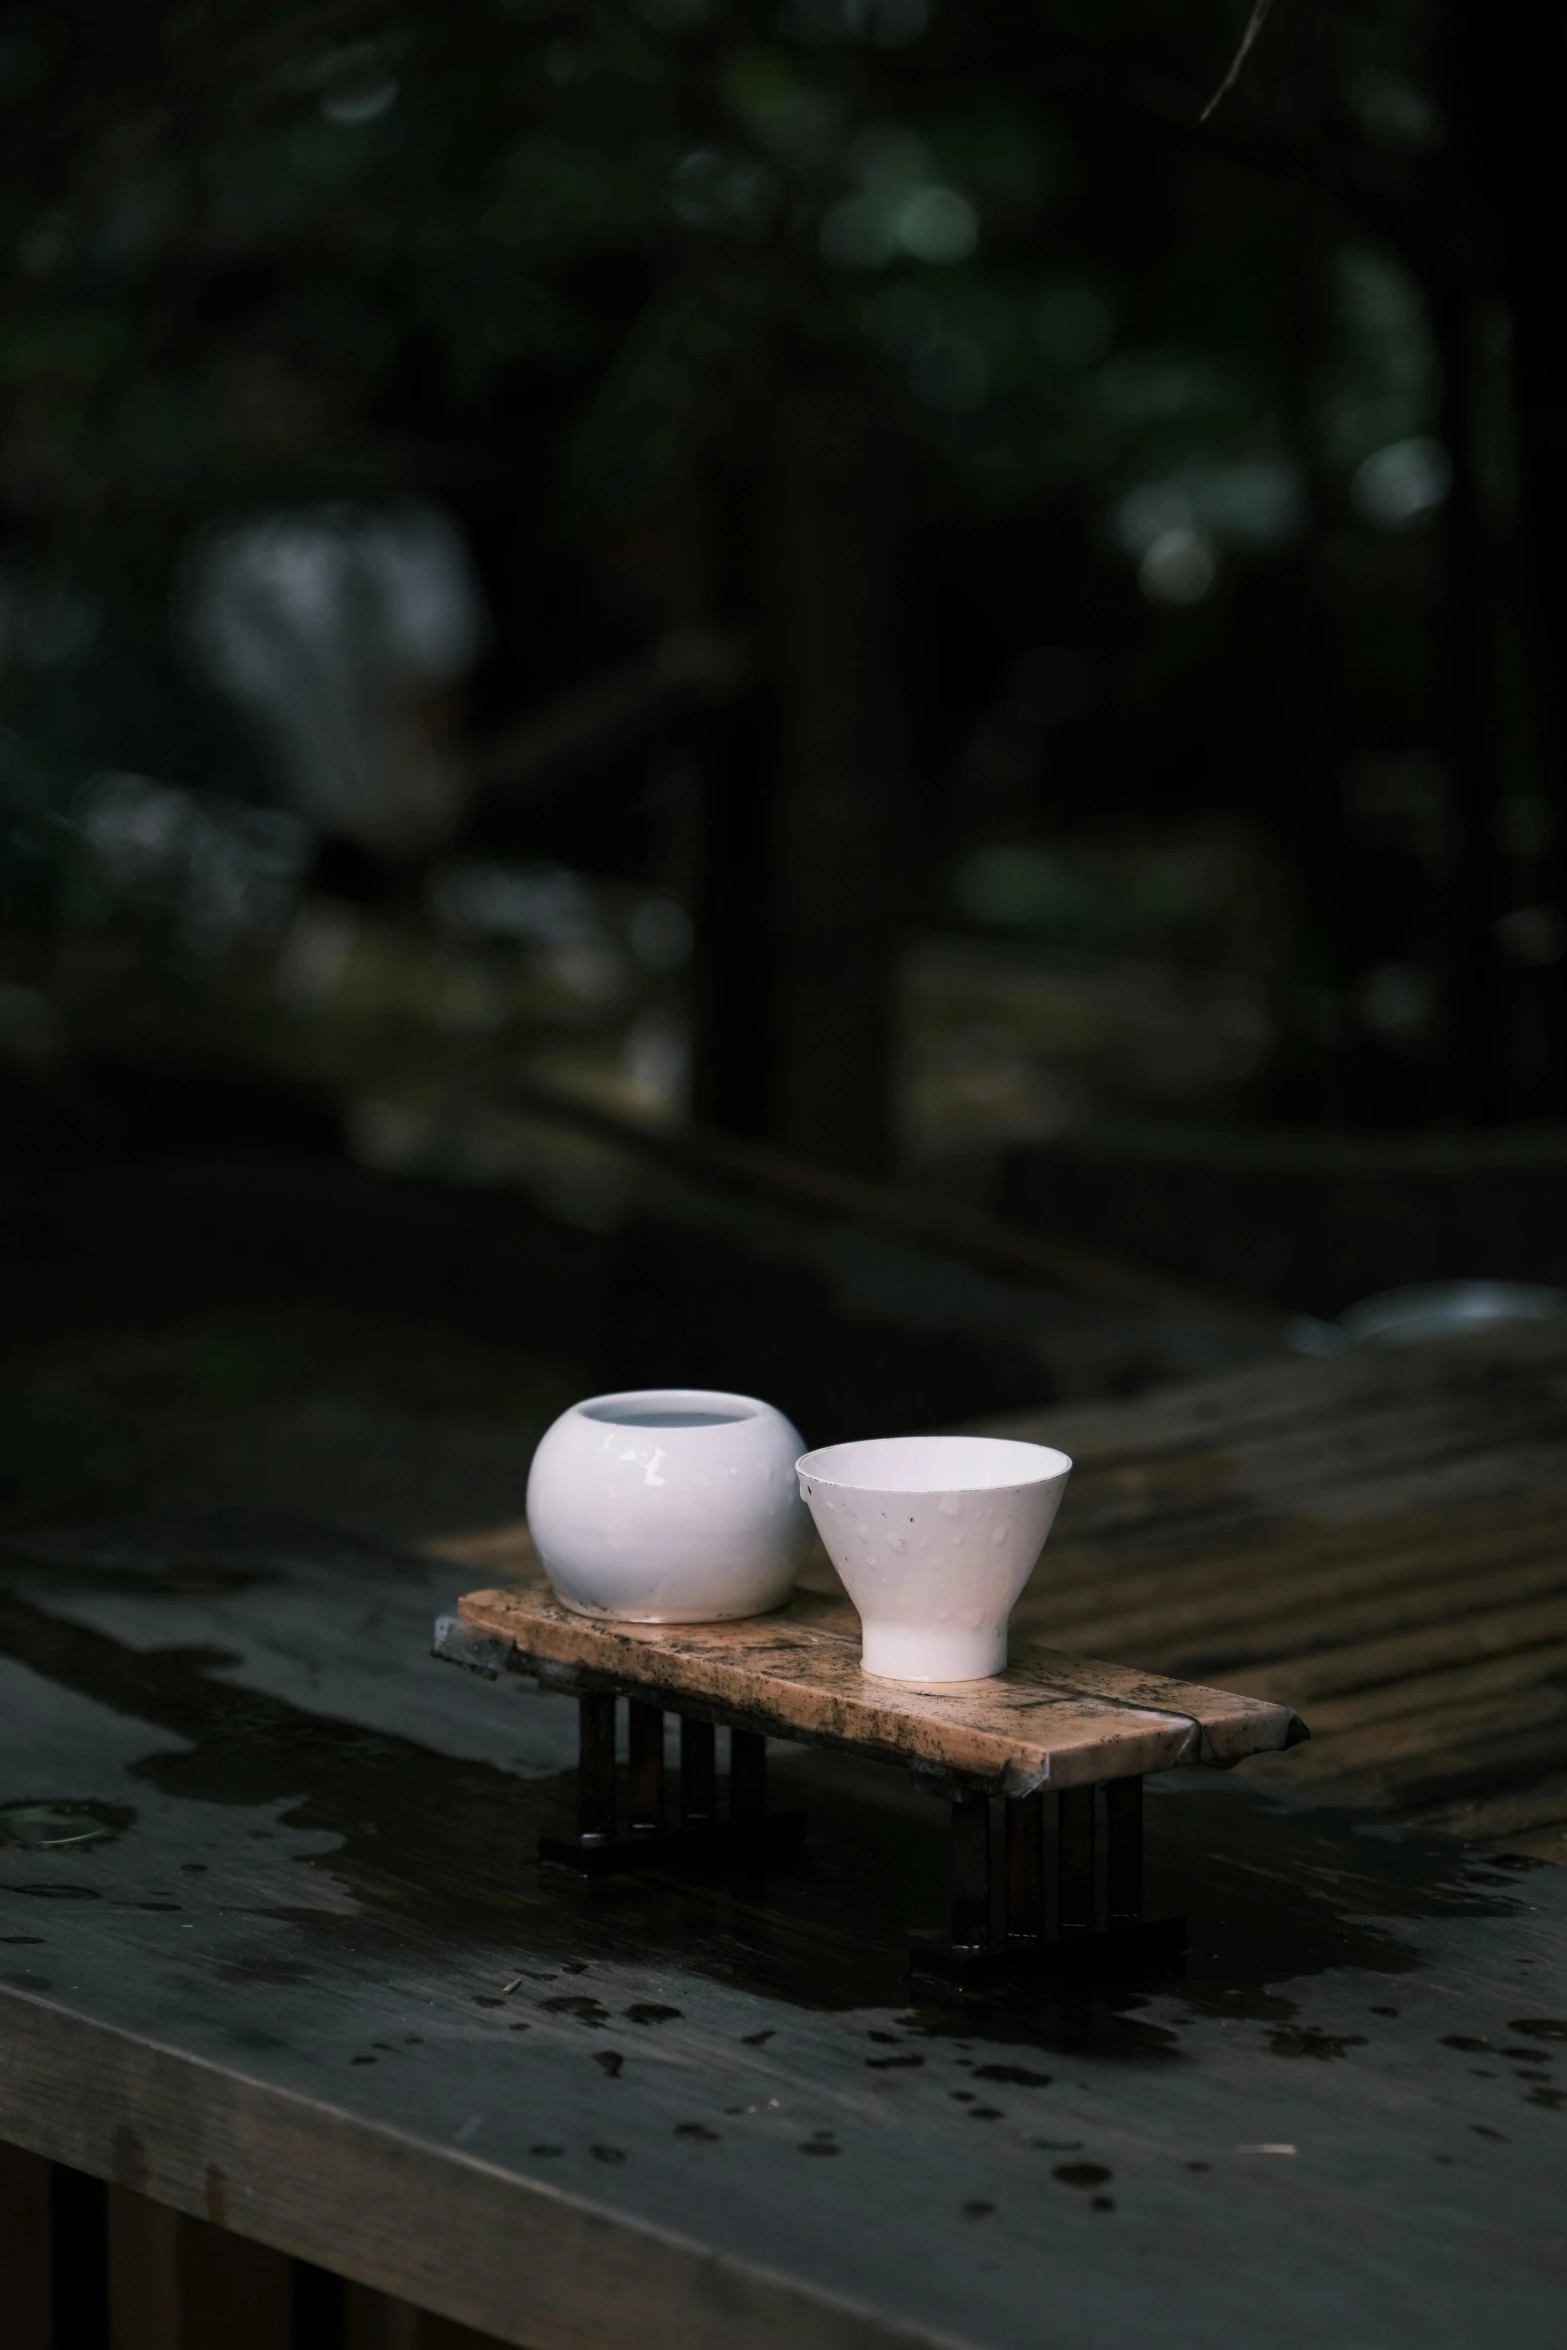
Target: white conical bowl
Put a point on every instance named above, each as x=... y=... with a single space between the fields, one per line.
x=935 y=1537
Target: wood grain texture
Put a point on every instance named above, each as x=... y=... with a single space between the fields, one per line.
x=526 y=2264
x=1380 y=1540
x=1051 y=1717
x=307 y=1985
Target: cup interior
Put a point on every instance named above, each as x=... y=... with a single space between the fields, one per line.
x=669 y=1407
x=933 y=1464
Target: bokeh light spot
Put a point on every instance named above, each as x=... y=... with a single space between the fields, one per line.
x=1179 y=567
x=1400 y=484
x=937 y=224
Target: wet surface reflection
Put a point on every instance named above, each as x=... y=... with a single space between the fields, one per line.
x=1277 y=1893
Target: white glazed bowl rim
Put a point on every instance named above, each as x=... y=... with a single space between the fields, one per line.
x=736 y=1409
x=973 y=1464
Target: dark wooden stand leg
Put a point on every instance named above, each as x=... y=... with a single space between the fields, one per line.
x=752 y=1837
x=747 y=1775
x=1075 y=1861
x=698 y=1773
x=596 y=1769
x=970 y=1872
x=1126 y=1948
x=646 y=1774
x=1124 y=1853
x=1025 y=1865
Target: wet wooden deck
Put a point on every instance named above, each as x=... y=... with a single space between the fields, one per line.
x=275 y=1967
x=1380 y=1542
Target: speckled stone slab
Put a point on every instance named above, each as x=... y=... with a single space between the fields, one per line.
x=1050 y=1719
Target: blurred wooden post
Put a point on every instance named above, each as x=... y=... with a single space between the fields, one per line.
x=320 y=2307
x=374 y=2321
x=736 y=757
x=1499 y=88
x=25 y=2250
x=78 y=2259
x=234 y=2294
x=179 y=2284
x=840 y=825
x=1466 y=659
x=145 y=2300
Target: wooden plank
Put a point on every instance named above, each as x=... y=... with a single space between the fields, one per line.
x=1050 y=1717
x=1515 y=1672
x=1333 y=1481
x=1500 y=1818
x=523 y=2262
x=1237 y=1409
x=1547 y=1843
x=1409 y=1606
x=1180 y=1468
x=1378 y=1539
x=249 y=2031
x=1294 y=1619
x=1279 y=1564
x=1380 y=1746
x=1373 y=1664
x=1229 y=1492
x=1272 y=1521
x=1428 y=1787
x=1289 y=1581
x=25 y=2265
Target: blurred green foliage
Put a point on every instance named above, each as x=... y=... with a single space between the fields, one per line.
x=232 y=232
x=253 y=255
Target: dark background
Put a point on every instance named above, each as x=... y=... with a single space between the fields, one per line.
x=1015 y=652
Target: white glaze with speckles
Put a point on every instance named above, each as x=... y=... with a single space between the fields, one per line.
x=669 y=1505
x=935 y=1537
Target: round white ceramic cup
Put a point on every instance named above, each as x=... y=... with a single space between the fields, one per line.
x=669 y=1505
x=935 y=1537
